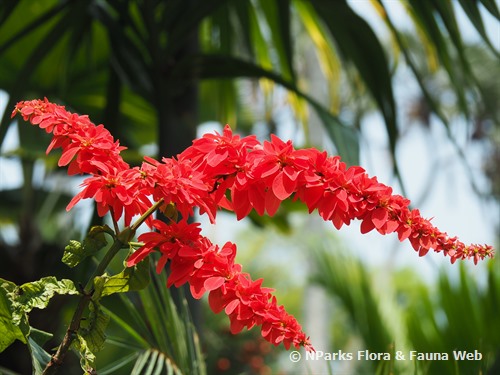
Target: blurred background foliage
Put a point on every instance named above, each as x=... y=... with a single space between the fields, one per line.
x=315 y=71
x=402 y=311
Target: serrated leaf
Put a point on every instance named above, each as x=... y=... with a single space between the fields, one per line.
x=98 y=287
x=37 y=294
x=130 y=279
x=75 y=252
x=10 y=331
x=94 y=333
x=87 y=357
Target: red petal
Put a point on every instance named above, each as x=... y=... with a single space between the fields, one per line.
x=366 y=226
x=67 y=156
x=215 y=301
x=337 y=221
x=139 y=255
x=213 y=283
x=283 y=187
x=257 y=199
x=379 y=217
x=74 y=201
x=214 y=158
x=404 y=233
x=272 y=203
x=231 y=306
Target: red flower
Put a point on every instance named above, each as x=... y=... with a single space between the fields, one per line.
x=114 y=191
x=213 y=267
x=93 y=146
x=280 y=166
x=177 y=182
x=168 y=240
x=219 y=155
x=76 y=135
x=210 y=268
x=222 y=160
x=238 y=174
x=280 y=327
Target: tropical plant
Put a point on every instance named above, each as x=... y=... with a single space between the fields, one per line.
x=154 y=335
x=217 y=171
x=403 y=312
x=136 y=66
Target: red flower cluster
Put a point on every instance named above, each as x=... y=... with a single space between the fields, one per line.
x=125 y=191
x=90 y=149
x=239 y=174
x=209 y=268
x=260 y=177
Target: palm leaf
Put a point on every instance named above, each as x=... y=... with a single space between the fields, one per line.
x=359 y=45
x=162 y=336
x=214 y=66
x=348 y=280
x=472 y=10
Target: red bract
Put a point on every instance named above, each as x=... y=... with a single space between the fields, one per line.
x=168 y=240
x=179 y=183
x=280 y=327
x=239 y=174
x=209 y=268
x=83 y=144
x=115 y=191
x=340 y=194
x=222 y=160
x=280 y=166
x=219 y=155
x=89 y=147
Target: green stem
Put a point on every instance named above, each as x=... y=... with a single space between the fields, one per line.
x=57 y=359
x=146 y=214
x=121 y=240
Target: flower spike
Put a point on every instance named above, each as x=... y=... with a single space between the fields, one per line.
x=238 y=174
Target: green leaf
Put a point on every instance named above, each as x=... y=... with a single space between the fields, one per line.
x=345 y=138
x=130 y=279
x=277 y=14
x=87 y=357
x=5 y=371
x=186 y=17
x=327 y=56
x=14 y=323
x=492 y=7
x=337 y=273
x=216 y=66
x=155 y=324
x=91 y=338
x=424 y=15
x=37 y=294
x=94 y=333
x=154 y=362
x=472 y=10
x=358 y=44
x=115 y=366
x=39 y=357
x=39 y=336
x=10 y=331
x=76 y=252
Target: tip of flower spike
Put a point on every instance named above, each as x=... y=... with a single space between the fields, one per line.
x=308 y=346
